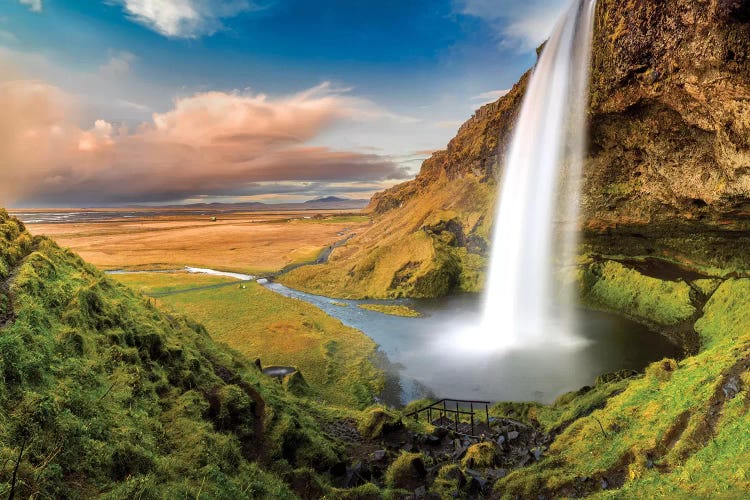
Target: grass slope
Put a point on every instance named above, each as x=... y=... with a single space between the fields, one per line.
x=334 y=359
x=415 y=250
x=677 y=431
x=101 y=394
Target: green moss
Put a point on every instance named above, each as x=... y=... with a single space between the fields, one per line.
x=481 y=455
x=393 y=310
x=614 y=287
x=376 y=421
x=407 y=470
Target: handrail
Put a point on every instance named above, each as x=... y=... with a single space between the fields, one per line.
x=443 y=410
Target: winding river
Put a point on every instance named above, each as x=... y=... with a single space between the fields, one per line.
x=425 y=359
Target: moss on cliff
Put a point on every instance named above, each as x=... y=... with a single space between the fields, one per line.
x=670 y=432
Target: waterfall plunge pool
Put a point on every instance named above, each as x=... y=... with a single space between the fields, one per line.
x=422 y=364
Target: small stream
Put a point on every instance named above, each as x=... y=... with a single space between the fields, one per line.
x=419 y=350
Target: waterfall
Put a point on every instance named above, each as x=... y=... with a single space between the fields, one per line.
x=525 y=303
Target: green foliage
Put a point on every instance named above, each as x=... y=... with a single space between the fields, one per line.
x=110 y=397
x=612 y=286
x=405 y=470
x=393 y=310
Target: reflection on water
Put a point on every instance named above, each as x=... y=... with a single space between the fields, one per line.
x=432 y=361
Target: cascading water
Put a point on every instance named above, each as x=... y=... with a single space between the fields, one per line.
x=524 y=303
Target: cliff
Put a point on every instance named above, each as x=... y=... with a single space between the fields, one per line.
x=667 y=175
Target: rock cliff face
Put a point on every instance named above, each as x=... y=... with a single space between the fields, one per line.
x=667 y=176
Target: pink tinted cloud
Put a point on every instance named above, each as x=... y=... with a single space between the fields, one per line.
x=212 y=142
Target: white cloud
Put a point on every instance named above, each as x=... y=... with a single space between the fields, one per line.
x=7 y=37
x=521 y=25
x=489 y=96
x=34 y=5
x=118 y=65
x=184 y=18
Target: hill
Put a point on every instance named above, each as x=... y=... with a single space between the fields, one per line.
x=667 y=176
x=104 y=395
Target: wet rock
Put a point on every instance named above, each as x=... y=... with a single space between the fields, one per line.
x=604 y=483
x=378 y=455
x=501 y=440
x=513 y=435
x=339 y=469
x=496 y=474
x=420 y=492
x=537 y=453
x=732 y=387
x=432 y=440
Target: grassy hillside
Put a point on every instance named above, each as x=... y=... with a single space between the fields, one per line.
x=103 y=394
x=431 y=245
x=676 y=432
x=334 y=360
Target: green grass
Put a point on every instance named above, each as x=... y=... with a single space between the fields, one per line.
x=334 y=359
x=658 y=417
x=393 y=310
x=110 y=397
x=151 y=283
x=612 y=286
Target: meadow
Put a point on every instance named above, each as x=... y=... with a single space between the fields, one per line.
x=253 y=243
x=336 y=361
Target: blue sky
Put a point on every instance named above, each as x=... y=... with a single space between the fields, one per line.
x=373 y=86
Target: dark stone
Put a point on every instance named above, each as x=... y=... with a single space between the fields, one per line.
x=496 y=474
x=338 y=469
x=513 y=435
x=604 y=483
x=419 y=468
x=537 y=452
x=440 y=432
x=432 y=440
x=420 y=492
x=378 y=455
x=732 y=387
x=456 y=475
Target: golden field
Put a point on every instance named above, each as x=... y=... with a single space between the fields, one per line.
x=251 y=243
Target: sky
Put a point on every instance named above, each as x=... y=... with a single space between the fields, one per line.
x=115 y=102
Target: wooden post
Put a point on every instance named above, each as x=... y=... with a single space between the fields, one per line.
x=487 y=410
x=457 y=416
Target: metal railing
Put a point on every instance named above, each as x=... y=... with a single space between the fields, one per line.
x=453 y=417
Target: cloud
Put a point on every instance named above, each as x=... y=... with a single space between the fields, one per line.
x=34 y=5
x=492 y=95
x=184 y=18
x=520 y=25
x=213 y=143
x=118 y=65
x=7 y=37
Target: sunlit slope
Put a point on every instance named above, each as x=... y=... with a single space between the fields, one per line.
x=429 y=236
x=102 y=394
x=679 y=431
x=336 y=361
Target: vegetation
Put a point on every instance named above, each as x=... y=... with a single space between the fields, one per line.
x=104 y=395
x=416 y=250
x=670 y=432
x=335 y=360
x=255 y=243
x=393 y=310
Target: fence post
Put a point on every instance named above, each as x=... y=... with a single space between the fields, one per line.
x=487 y=410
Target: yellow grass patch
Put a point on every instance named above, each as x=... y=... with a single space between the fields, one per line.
x=250 y=243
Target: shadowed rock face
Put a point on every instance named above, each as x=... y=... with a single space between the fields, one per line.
x=670 y=129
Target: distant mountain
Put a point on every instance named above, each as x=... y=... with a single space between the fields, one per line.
x=334 y=199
